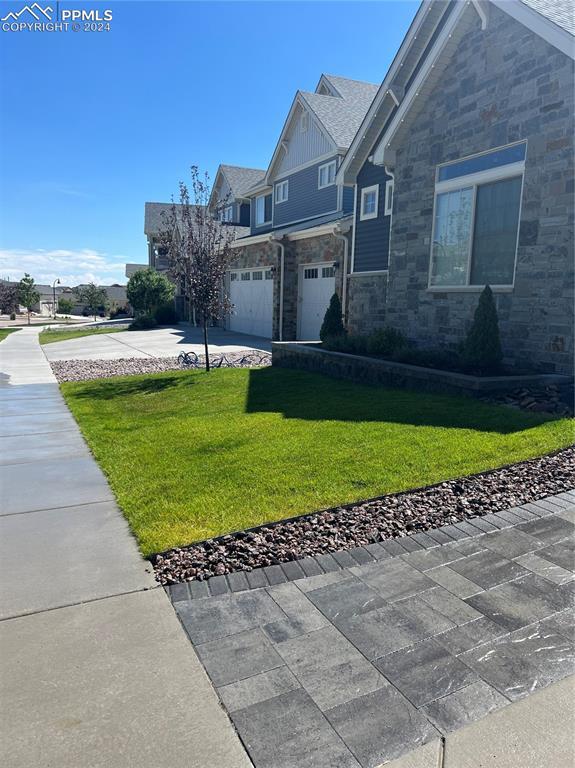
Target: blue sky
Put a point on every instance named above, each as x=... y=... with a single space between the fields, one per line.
x=94 y=124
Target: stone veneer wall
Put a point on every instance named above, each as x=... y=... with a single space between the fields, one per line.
x=502 y=85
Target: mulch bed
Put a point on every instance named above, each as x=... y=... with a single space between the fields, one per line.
x=85 y=370
x=369 y=521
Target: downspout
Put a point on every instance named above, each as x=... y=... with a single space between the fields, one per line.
x=338 y=233
x=281 y=246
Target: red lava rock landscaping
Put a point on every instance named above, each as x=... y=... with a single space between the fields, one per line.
x=362 y=523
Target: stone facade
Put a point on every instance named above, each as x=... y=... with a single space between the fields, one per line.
x=501 y=85
x=312 y=250
x=366 y=296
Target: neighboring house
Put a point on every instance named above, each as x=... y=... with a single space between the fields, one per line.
x=294 y=258
x=229 y=199
x=463 y=171
x=45 y=305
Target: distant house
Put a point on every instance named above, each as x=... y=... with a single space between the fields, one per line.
x=463 y=175
x=229 y=198
x=294 y=258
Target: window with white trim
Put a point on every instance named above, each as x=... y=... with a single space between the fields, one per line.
x=246 y=276
x=228 y=213
x=476 y=219
x=233 y=276
x=369 y=202
x=259 y=275
x=326 y=174
x=263 y=210
x=328 y=271
x=311 y=273
x=282 y=189
x=388 y=197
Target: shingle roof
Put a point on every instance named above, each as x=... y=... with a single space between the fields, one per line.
x=241 y=179
x=155 y=221
x=341 y=117
x=560 y=12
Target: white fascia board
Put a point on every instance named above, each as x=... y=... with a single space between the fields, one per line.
x=219 y=173
x=341 y=225
x=251 y=240
x=434 y=54
x=384 y=88
x=556 y=36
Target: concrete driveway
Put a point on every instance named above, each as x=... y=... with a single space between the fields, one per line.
x=160 y=342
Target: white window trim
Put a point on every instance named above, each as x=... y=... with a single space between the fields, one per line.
x=388 y=197
x=364 y=192
x=228 y=213
x=265 y=221
x=327 y=166
x=281 y=185
x=473 y=180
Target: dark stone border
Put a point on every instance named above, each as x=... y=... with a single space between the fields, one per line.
x=307 y=356
x=293 y=570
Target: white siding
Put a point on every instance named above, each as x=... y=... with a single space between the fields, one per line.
x=303 y=146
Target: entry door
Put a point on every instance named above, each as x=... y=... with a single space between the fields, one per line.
x=251 y=293
x=316 y=287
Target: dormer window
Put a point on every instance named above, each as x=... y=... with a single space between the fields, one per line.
x=281 y=191
x=326 y=175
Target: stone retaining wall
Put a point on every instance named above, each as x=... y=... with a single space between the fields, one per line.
x=367 y=370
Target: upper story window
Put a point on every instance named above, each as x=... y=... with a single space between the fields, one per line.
x=282 y=189
x=476 y=219
x=326 y=174
x=228 y=213
x=369 y=202
x=388 y=197
x=263 y=210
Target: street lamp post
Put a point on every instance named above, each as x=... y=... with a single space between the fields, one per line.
x=54 y=284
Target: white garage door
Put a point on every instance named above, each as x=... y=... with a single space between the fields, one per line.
x=251 y=293
x=316 y=287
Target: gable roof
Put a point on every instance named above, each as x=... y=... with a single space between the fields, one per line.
x=338 y=114
x=433 y=30
x=241 y=179
x=155 y=219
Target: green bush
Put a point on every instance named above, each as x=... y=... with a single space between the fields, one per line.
x=332 y=326
x=353 y=345
x=482 y=347
x=385 y=342
x=143 y=323
x=428 y=358
x=166 y=315
x=13 y=316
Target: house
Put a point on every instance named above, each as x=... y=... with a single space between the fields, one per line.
x=286 y=269
x=463 y=176
x=228 y=198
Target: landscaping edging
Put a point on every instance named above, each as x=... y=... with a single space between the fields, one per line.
x=368 y=370
x=395 y=516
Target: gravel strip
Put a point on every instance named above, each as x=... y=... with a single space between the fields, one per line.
x=85 y=370
x=370 y=521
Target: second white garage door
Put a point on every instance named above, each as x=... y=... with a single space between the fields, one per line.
x=251 y=293
x=316 y=287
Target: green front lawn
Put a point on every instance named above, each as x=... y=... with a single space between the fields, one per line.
x=49 y=337
x=4 y=332
x=191 y=455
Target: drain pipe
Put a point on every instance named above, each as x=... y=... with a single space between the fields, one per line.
x=281 y=246
x=339 y=232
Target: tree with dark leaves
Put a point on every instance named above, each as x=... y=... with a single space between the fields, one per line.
x=27 y=293
x=94 y=297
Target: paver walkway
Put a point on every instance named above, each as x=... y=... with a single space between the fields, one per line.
x=393 y=646
x=94 y=667
x=159 y=342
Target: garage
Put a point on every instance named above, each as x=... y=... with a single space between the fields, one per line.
x=251 y=294
x=316 y=287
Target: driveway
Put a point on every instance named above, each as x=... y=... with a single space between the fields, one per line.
x=160 y=342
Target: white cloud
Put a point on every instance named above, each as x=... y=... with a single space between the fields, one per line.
x=71 y=267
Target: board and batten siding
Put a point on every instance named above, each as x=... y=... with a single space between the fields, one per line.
x=303 y=146
x=305 y=200
x=371 y=248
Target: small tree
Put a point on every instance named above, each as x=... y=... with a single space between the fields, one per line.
x=332 y=325
x=8 y=298
x=65 y=306
x=93 y=296
x=27 y=293
x=199 y=251
x=147 y=290
x=482 y=346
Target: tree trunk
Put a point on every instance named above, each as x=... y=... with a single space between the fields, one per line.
x=206 y=345
x=28 y=317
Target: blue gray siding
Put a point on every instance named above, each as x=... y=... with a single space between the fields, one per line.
x=305 y=200
x=348 y=199
x=244 y=215
x=371 y=251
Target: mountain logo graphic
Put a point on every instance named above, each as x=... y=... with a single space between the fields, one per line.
x=34 y=10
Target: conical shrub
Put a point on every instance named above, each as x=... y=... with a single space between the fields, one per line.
x=332 y=325
x=482 y=347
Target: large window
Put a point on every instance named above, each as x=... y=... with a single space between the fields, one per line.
x=228 y=213
x=476 y=219
x=263 y=209
x=282 y=188
x=326 y=175
x=369 y=202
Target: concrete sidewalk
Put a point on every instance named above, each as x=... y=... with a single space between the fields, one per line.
x=159 y=342
x=95 y=669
